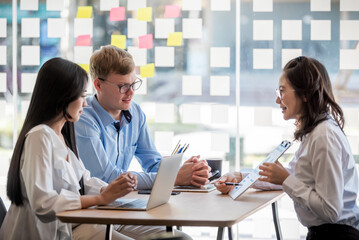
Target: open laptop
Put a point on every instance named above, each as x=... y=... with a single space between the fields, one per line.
x=161 y=190
x=250 y=179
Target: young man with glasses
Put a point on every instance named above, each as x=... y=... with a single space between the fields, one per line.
x=112 y=129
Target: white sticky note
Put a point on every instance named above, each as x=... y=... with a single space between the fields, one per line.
x=219 y=114
x=83 y=26
x=82 y=54
x=220 y=57
x=139 y=55
x=56 y=27
x=30 y=55
x=163 y=140
x=220 y=5
x=219 y=86
x=106 y=5
x=220 y=142
x=133 y=5
x=165 y=113
x=55 y=5
x=30 y=27
x=191 y=113
x=192 y=28
x=3 y=81
x=191 y=5
x=263 y=58
x=3 y=55
x=28 y=81
x=349 y=59
x=320 y=5
x=143 y=89
x=3 y=27
x=164 y=56
x=347 y=31
x=192 y=85
x=263 y=30
x=136 y=28
x=262 y=5
x=32 y=5
x=24 y=107
x=349 y=5
x=289 y=54
x=320 y=30
x=163 y=27
x=291 y=29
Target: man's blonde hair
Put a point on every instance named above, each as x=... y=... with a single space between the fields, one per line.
x=110 y=59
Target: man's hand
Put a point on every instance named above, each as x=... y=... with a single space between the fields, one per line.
x=193 y=172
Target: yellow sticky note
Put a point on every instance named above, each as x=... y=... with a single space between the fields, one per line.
x=84 y=12
x=86 y=67
x=147 y=70
x=144 y=14
x=118 y=41
x=174 y=39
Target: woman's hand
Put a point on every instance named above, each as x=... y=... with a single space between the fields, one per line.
x=273 y=172
x=235 y=177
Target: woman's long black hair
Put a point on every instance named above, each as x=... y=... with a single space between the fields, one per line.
x=58 y=83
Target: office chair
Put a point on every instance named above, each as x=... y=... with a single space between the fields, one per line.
x=2 y=211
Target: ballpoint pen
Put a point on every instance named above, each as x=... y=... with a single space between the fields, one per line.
x=176 y=147
x=232 y=184
x=185 y=148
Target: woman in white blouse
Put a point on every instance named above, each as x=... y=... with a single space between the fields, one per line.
x=322 y=179
x=45 y=174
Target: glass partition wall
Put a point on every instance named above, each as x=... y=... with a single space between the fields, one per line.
x=210 y=68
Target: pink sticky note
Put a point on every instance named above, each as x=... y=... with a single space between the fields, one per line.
x=83 y=40
x=145 y=41
x=117 y=14
x=172 y=11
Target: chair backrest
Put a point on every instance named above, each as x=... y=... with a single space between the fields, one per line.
x=2 y=211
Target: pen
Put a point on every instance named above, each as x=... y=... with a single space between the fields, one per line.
x=176 y=148
x=231 y=184
x=185 y=148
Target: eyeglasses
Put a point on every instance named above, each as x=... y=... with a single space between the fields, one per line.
x=125 y=87
x=280 y=92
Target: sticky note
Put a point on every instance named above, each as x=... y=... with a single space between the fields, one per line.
x=192 y=28
x=83 y=40
x=86 y=67
x=118 y=41
x=32 y=5
x=164 y=56
x=133 y=5
x=30 y=27
x=349 y=5
x=346 y=29
x=117 y=14
x=163 y=140
x=192 y=85
x=82 y=54
x=3 y=27
x=263 y=30
x=83 y=26
x=191 y=113
x=106 y=5
x=289 y=54
x=3 y=55
x=320 y=5
x=165 y=113
x=56 y=28
x=147 y=70
x=219 y=86
x=220 y=57
x=349 y=59
x=220 y=142
x=262 y=5
x=172 y=11
x=84 y=12
x=139 y=55
x=28 y=82
x=3 y=81
x=163 y=27
x=144 y=14
x=291 y=29
x=219 y=114
x=320 y=30
x=30 y=55
x=220 y=5
x=174 y=39
x=55 y=5
x=136 y=28
x=262 y=58
x=191 y=5
x=145 y=41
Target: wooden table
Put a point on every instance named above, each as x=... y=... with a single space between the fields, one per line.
x=186 y=209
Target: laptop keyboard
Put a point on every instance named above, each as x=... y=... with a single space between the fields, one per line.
x=136 y=203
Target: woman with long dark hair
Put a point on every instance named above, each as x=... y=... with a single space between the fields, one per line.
x=322 y=178
x=45 y=174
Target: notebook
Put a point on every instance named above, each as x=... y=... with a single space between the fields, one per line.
x=161 y=190
x=250 y=179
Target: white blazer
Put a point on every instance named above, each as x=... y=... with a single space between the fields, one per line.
x=49 y=184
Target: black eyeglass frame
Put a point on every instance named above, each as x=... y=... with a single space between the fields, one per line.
x=127 y=86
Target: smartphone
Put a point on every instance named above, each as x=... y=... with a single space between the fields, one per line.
x=148 y=191
x=215 y=175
